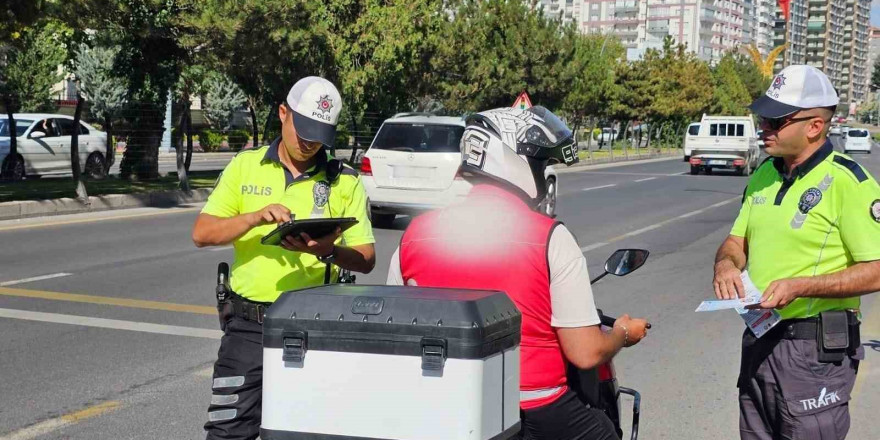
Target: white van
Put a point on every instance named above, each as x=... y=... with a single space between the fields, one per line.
x=692 y=132
x=726 y=142
x=857 y=139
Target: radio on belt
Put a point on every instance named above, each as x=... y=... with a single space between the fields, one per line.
x=384 y=362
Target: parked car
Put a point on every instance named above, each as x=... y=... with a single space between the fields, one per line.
x=412 y=166
x=728 y=142
x=692 y=132
x=43 y=143
x=857 y=139
x=835 y=130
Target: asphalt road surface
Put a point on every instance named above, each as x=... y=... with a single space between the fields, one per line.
x=109 y=330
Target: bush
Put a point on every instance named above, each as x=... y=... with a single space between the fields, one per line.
x=210 y=140
x=876 y=136
x=238 y=139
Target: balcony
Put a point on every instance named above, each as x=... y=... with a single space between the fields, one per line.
x=661 y=27
x=626 y=32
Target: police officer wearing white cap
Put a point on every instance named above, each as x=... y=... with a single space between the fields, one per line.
x=808 y=234
x=294 y=177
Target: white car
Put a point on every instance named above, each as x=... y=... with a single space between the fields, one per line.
x=43 y=143
x=857 y=139
x=835 y=130
x=692 y=132
x=412 y=167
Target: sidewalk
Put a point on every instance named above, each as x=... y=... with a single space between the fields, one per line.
x=155 y=199
x=38 y=208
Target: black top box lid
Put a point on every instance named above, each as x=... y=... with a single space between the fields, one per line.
x=469 y=324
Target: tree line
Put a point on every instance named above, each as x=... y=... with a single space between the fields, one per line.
x=386 y=56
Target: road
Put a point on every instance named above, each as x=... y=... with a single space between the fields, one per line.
x=109 y=329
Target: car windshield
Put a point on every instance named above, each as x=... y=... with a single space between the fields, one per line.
x=419 y=138
x=21 y=125
x=857 y=133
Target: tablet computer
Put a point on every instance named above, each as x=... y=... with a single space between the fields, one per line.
x=314 y=227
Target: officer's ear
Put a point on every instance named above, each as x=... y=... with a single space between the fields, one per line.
x=283 y=111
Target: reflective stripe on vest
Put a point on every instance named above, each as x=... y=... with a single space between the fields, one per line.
x=493 y=241
x=539 y=394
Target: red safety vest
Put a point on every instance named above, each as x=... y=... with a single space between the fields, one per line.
x=494 y=241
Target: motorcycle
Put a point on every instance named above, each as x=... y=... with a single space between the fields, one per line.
x=598 y=387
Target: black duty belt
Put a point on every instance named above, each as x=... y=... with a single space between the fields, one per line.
x=798 y=328
x=247 y=309
x=804 y=328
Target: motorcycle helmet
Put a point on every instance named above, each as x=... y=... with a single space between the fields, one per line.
x=512 y=146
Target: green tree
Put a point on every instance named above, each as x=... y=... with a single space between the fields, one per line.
x=263 y=45
x=752 y=78
x=590 y=76
x=730 y=94
x=494 y=49
x=875 y=75
x=32 y=66
x=150 y=34
x=29 y=64
x=105 y=90
x=222 y=99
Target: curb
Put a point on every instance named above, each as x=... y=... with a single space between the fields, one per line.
x=155 y=199
x=585 y=165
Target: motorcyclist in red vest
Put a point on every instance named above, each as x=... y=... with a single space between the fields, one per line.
x=496 y=240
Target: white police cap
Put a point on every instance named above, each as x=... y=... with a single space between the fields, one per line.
x=796 y=87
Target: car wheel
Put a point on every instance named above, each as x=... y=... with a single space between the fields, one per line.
x=695 y=170
x=95 y=166
x=548 y=205
x=13 y=169
x=382 y=220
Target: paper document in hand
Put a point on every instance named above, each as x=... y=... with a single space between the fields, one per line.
x=759 y=321
x=726 y=304
x=752 y=296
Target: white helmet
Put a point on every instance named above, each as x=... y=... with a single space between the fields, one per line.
x=513 y=146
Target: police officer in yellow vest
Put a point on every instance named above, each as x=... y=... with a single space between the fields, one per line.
x=292 y=178
x=808 y=234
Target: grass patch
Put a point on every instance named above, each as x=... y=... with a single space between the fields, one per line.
x=55 y=188
x=605 y=154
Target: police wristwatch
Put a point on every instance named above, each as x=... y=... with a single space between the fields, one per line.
x=329 y=258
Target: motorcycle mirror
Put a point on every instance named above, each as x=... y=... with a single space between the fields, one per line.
x=624 y=261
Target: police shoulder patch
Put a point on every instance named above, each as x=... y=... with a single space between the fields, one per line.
x=875 y=210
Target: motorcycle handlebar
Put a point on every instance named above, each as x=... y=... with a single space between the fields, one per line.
x=609 y=321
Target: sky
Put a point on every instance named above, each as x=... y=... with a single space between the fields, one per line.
x=875 y=13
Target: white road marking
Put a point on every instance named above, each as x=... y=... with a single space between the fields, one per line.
x=221 y=248
x=592 y=246
x=656 y=225
x=598 y=187
x=38 y=278
x=645 y=180
x=111 y=323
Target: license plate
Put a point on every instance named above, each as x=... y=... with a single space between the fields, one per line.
x=717 y=162
x=412 y=172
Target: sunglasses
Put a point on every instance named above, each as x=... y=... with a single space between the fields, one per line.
x=776 y=124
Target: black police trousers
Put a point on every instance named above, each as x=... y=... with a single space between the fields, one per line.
x=237 y=389
x=566 y=419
